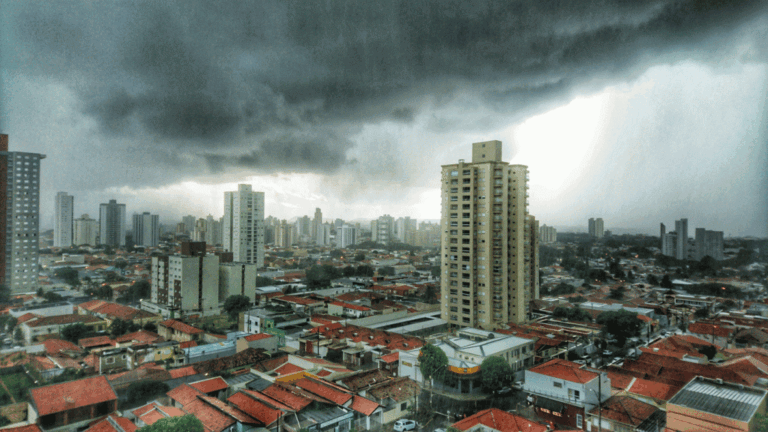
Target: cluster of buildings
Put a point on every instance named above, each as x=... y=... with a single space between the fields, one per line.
x=677 y=243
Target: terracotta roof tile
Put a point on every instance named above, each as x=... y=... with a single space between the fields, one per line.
x=74 y=394
x=180 y=327
x=184 y=394
x=364 y=406
x=286 y=394
x=62 y=320
x=325 y=390
x=565 y=370
x=182 y=372
x=256 y=408
x=210 y=385
x=501 y=421
x=213 y=419
x=258 y=336
x=55 y=346
x=288 y=369
x=625 y=409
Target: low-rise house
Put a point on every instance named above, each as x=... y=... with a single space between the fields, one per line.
x=564 y=392
x=112 y=311
x=350 y=310
x=718 y=334
x=301 y=304
x=48 y=327
x=396 y=397
x=264 y=341
x=216 y=416
x=715 y=405
x=74 y=404
x=626 y=414
x=496 y=420
x=178 y=331
x=149 y=414
x=214 y=387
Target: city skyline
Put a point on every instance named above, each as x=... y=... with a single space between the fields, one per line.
x=352 y=107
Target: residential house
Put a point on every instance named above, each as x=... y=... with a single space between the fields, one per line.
x=178 y=331
x=264 y=341
x=496 y=420
x=112 y=311
x=622 y=413
x=74 y=404
x=564 y=392
x=48 y=327
x=340 y=308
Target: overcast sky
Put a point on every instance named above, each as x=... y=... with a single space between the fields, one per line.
x=636 y=112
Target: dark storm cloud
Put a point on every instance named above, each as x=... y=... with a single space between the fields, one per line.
x=220 y=79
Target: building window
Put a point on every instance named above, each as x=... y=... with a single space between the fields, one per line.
x=558 y=384
x=578 y=421
x=403 y=406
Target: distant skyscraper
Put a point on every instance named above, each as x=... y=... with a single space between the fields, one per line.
x=305 y=226
x=317 y=224
x=112 y=224
x=709 y=243
x=189 y=223
x=19 y=218
x=86 y=231
x=681 y=228
x=63 y=220
x=345 y=236
x=403 y=227
x=243 y=225
x=383 y=229
x=547 y=234
x=596 y=228
x=146 y=229
x=187 y=282
x=487 y=243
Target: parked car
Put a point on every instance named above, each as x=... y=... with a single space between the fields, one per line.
x=404 y=425
x=502 y=391
x=607 y=352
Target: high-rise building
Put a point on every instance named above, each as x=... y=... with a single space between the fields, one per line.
x=383 y=229
x=63 y=220
x=532 y=256
x=19 y=218
x=709 y=243
x=200 y=233
x=189 y=223
x=86 y=231
x=187 y=282
x=237 y=279
x=112 y=224
x=212 y=230
x=547 y=234
x=403 y=228
x=146 y=229
x=317 y=222
x=681 y=228
x=305 y=226
x=596 y=228
x=243 y=225
x=345 y=236
x=284 y=234
x=487 y=262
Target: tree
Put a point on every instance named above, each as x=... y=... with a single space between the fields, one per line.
x=572 y=314
x=364 y=271
x=143 y=391
x=139 y=290
x=652 y=280
x=52 y=297
x=561 y=289
x=666 y=282
x=68 y=275
x=622 y=324
x=435 y=271
x=150 y=326
x=7 y=322
x=429 y=294
x=495 y=372
x=5 y=294
x=103 y=292
x=336 y=253
x=122 y=264
x=433 y=363
x=617 y=293
x=701 y=313
x=120 y=327
x=18 y=334
x=235 y=304
x=75 y=332
x=709 y=350
x=360 y=256
x=387 y=271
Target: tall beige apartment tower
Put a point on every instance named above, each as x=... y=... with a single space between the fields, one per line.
x=489 y=274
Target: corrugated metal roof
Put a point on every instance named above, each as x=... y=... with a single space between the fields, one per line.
x=726 y=400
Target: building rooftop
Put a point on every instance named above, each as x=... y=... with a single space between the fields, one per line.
x=720 y=398
x=565 y=370
x=67 y=396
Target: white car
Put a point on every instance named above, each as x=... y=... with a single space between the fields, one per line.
x=404 y=425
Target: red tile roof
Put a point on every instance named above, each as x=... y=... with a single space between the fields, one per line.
x=55 y=346
x=182 y=372
x=26 y=317
x=180 y=327
x=288 y=369
x=27 y=428
x=210 y=385
x=255 y=407
x=62 y=320
x=141 y=336
x=325 y=390
x=708 y=329
x=565 y=370
x=106 y=425
x=288 y=395
x=231 y=411
x=184 y=394
x=114 y=310
x=258 y=336
x=70 y=395
x=212 y=419
x=351 y=306
x=187 y=344
x=95 y=341
x=364 y=406
x=391 y=358
x=501 y=421
x=625 y=409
